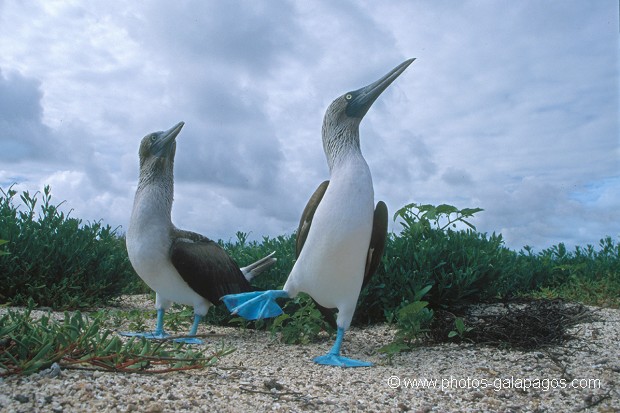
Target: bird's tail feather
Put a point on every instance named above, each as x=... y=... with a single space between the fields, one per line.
x=259 y=266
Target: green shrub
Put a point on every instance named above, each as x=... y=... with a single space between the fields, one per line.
x=585 y=275
x=56 y=260
x=461 y=266
x=63 y=263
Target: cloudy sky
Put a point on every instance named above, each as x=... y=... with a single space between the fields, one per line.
x=510 y=106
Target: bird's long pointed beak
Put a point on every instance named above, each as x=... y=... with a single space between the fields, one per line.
x=362 y=99
x=166 y=139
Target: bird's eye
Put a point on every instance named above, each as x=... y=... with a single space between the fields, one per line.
x=348 y=96
x=153 y=138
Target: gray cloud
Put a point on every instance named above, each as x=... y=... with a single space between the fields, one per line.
x=457 y=177
x=23 y=135
x=512 y=108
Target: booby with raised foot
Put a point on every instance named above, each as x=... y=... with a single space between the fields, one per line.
x=181 y=266
x=341 y=235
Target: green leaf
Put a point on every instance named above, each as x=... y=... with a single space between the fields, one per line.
x=421 y=293
x=460 y=325
x=468 y=212
x=445 y=209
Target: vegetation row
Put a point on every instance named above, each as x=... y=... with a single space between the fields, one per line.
x=50 y=259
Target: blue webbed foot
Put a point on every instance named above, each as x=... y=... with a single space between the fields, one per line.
x=188 y=340
x=158 y=334
x=333 y=358
x=150 y=336
x=162 y=336
x=192 y=332
x=255 y=305
x=336 y=360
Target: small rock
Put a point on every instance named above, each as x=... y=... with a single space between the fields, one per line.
x=154 y=408
x=476 y=396
x=273 y=384
x=53 y=371
x=22 y=398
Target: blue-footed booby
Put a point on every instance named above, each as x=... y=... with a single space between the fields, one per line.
x=340 y=232
x=181 y=266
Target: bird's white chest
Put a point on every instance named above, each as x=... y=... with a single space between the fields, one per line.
x=148 y=246
x=149 y=228
x=148 y=243
x=148 y=251
x=331 y=265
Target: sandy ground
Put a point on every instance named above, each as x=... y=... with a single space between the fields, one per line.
x=263 y=374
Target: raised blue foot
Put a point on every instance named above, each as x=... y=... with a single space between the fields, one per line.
x=333 y=358
x=255 y=305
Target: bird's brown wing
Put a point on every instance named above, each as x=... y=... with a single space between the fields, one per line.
x=302 y=233
x=377 y=241
x=307 y=215
x=206 y=267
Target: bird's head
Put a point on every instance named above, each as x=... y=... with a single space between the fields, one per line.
x=343 y=116
x=355 y=104
x=158 y=148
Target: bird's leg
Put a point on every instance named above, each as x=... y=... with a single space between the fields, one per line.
x=256 y=304
x=194 y=329
x=159 y=328
x=338 y=343
x=192 y=332
x=333 y=357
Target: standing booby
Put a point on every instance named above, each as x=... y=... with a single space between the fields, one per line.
x=181 y=266
x=334 y=241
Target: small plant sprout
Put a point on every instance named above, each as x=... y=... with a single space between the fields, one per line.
x=413 y=322
x=460 y=329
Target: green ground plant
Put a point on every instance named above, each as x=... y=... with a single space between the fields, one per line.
x=460 y=329
x=301 y=322
x=30 y=344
